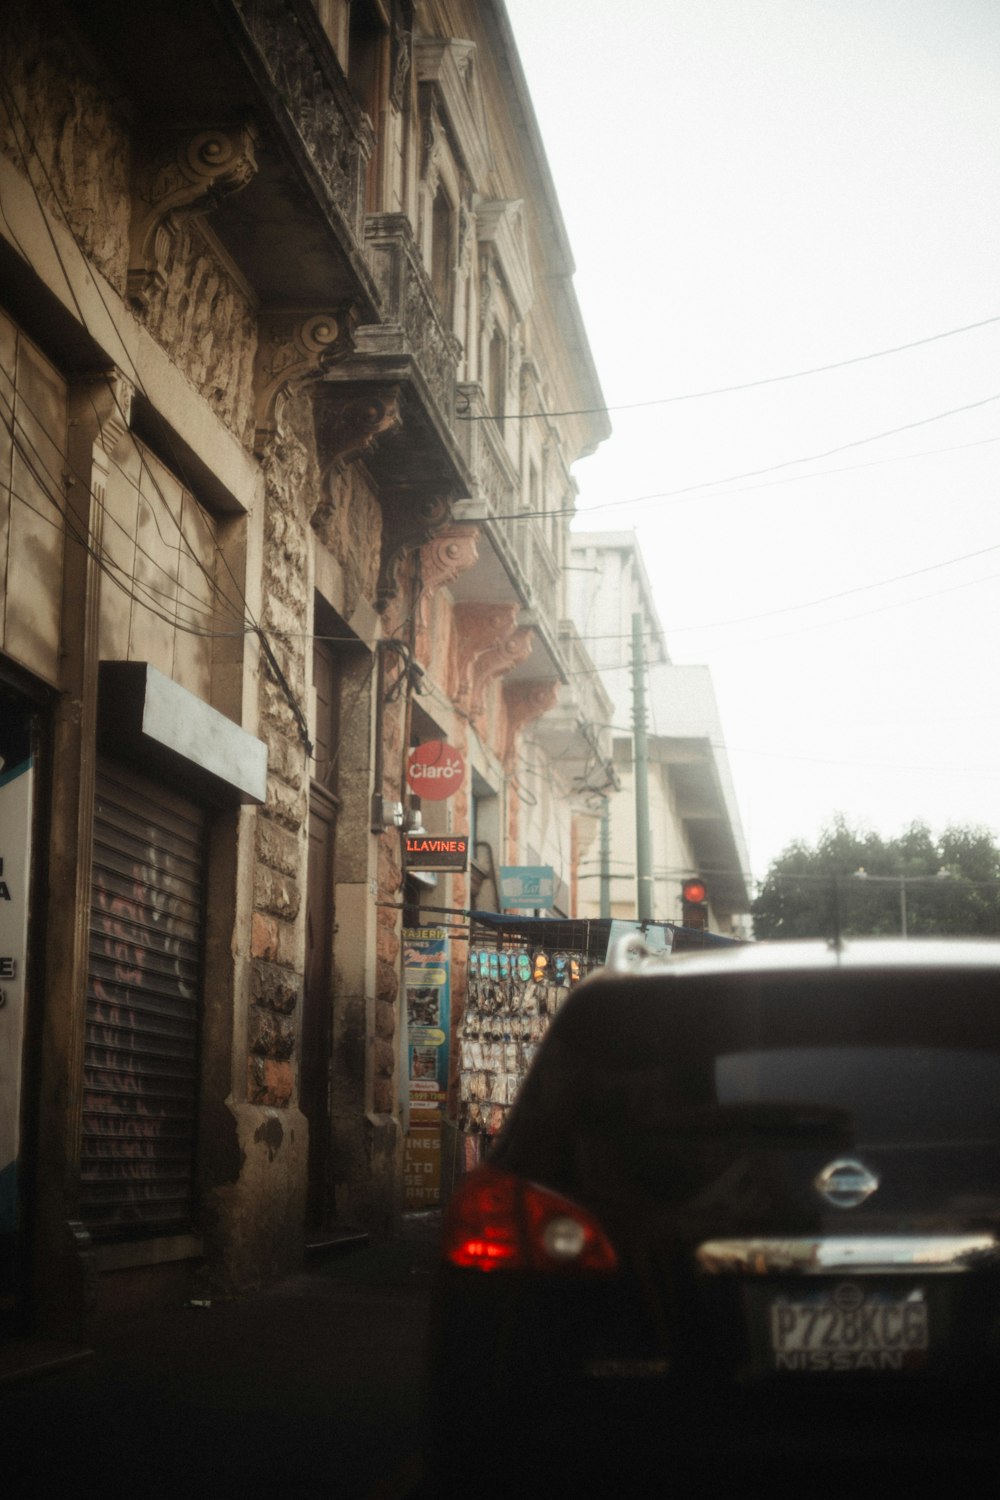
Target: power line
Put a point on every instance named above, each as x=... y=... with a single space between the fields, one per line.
x=860 y=588
x=726 y=390
x=624 y=731
x=872 y=463
x=787 y=463
x=121 y=412
x=140 y=593
x=272 y=661
x=882 y=609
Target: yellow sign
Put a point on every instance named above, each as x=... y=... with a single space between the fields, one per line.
x=422 y=1168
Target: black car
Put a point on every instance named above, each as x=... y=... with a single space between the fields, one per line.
x=746 y=1211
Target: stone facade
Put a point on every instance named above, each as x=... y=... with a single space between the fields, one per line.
x=311 y=290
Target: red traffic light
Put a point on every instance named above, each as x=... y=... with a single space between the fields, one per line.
x=694 y=891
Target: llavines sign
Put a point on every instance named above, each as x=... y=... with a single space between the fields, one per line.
x=437 y=851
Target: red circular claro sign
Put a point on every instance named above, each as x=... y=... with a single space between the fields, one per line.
x=434 y=771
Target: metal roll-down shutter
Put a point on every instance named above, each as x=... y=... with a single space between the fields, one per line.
x=141 y=1052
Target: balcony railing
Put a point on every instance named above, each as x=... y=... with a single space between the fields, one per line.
x=486 y=455
x=410 y=316
x=313 y=100
x=528 y=555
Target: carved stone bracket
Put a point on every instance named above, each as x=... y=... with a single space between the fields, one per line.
x=451 y=551
x=497 y=661
x=110 y=393
x=292 y=347
x=479 y=628
x=350 y=425
x=405 y=527
x=193 y=176
x=525 y=701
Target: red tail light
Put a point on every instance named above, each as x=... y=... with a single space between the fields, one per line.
x=498 y=1222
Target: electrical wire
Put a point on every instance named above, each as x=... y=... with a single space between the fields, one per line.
x=118 y=406
x=599 y=671
x=12 y=108
x=871 y=463
x=726 y=390
x=787 y=463
x=251 y=625
x=133 y=369
x=86 y=540
x=35 y=460
x=671 y=630
x=882 y=609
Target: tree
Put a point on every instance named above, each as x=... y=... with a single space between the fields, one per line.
x=859 y=884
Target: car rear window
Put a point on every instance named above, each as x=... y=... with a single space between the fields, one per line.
x=901 y=1059
x=893 y=1095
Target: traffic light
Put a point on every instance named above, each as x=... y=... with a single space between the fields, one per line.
x=694 y=902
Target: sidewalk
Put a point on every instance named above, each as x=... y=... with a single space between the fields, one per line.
x=311 y=1388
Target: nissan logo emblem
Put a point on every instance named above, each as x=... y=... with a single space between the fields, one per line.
x=845 y=1183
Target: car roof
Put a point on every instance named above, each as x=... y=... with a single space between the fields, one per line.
x=884 y=955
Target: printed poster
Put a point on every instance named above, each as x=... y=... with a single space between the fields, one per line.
x=426 y=977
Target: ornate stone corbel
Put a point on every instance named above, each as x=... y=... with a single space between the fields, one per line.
x=349 y=426
x=479 y=628
x=450 y=551
x=110 y=394
x=405 y=527
x=498 y=661
x=191 y=178
x=293 y=347
x=525 y=701
x=103 y=409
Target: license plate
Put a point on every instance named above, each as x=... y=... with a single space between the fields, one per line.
x=846 y=1330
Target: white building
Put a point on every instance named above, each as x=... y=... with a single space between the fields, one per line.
x=695 y=824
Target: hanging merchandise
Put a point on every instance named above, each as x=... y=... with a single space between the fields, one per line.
x=520 y=970
x=515 y=987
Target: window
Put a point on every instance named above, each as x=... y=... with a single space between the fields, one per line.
x=497 y=375
x=442 y=252
x=364 y=46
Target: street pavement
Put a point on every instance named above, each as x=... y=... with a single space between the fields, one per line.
x=313 y=1388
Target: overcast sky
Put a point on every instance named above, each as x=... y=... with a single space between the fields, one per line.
x=754 y=188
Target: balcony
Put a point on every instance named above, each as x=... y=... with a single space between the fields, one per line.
x=410 y=361
x=294 y=229
x=515 y=565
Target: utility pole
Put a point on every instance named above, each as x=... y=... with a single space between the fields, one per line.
x=640 y=758
x=606 y=859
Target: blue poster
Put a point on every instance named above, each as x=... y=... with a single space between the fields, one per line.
x=527 y=887
x=426 y=978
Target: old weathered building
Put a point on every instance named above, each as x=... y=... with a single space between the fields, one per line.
x=285 y=296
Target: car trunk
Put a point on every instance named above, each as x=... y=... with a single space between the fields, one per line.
x=803 y=1177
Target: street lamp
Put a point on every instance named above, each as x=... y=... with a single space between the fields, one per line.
x=902 y=881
